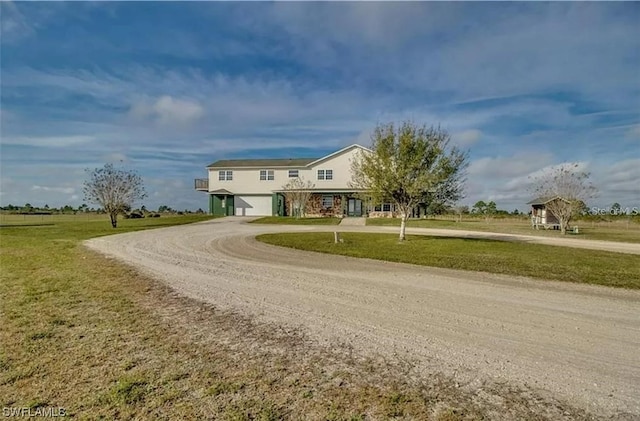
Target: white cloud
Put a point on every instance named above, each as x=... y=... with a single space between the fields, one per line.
x=167 y=110
x=116 y=157
x=633 y=132
x=49 y=141
x=507 y=167
x=467 y=137
x=14 y=25
x=65 y=190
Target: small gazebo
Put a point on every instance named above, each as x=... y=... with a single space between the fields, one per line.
x=541 y=217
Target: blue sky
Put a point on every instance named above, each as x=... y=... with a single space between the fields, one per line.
x=167 y=88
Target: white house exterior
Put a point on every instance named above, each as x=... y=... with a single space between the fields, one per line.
x=254 y=187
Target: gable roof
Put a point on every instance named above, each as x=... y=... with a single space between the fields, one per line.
x=343 y=150
x=544 y=200
x=261 y=163
x=274 y=163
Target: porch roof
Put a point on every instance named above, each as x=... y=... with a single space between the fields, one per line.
x=222 y=191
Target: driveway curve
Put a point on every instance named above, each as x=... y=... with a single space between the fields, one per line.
x=577 y=343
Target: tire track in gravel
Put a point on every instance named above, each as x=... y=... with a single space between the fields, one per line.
x=578 y=343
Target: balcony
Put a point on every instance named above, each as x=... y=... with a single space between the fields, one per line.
x=201 y=184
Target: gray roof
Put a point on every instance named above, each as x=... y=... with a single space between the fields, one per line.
x=261 y=163
x=544 y=200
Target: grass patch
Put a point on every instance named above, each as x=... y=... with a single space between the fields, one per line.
x=101 y=340
x=129 y=390
x=624 y=230
x=287 y=220
x=510 y=258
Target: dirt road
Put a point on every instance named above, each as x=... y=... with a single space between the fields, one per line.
x=577 y=343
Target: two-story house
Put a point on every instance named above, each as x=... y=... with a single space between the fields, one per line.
x=254 y=187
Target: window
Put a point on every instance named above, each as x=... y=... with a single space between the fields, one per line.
x=293 y=173
x=327 y=201
x=225 y=175
x=385 y=207
x=266 y=175
x=325 y=174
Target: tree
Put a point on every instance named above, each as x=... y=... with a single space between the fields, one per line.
x=297 y=193
x=566 y=188
x=491 y=209
x=409 y=165
x=616 y=209
x=479 y=208
x=581 y=209
x=114 y=189
x=460 y=210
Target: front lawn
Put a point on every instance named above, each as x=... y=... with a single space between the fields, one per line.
x=612 y=231
x=511 y=258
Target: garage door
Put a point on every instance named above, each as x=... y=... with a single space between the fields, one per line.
x=253 y=205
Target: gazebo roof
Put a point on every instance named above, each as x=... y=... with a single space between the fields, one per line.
x=542 y=200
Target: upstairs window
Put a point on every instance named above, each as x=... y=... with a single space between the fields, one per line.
x=267 y=175
x=293 y=173
x=225 y=175
x=325 y=174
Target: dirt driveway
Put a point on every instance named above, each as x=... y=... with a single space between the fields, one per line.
x=578 y=343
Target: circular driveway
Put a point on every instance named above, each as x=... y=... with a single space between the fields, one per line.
x=577 y=343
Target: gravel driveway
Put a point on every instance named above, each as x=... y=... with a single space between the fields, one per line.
x=577 y=343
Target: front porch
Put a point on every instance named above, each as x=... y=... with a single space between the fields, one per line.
x=323 y=204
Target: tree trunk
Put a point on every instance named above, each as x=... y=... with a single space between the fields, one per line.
x=114 y=219
x=563 y=226
x=403 y=226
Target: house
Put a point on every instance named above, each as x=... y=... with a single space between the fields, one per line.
x=254 y=187
x=541 y=217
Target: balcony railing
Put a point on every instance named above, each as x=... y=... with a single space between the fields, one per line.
x=202 y=184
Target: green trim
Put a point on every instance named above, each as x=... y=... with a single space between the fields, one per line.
x=274 y=205
x=216 y=208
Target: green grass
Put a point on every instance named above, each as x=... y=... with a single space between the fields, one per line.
x=621 y=230
x=511 y=258
x=287 y=220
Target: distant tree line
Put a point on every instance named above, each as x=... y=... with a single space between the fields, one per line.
x=29 y=209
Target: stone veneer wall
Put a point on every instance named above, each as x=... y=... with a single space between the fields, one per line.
x=315 y=209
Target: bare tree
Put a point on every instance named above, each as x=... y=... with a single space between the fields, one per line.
x=566 y=188
x=297 y=193
x=409 y=165
x=116 y=190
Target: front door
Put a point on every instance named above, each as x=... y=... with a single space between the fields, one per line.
x=229 y=207
x=354 y=207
